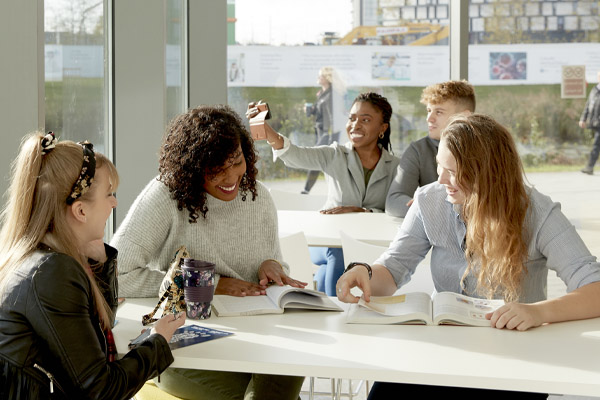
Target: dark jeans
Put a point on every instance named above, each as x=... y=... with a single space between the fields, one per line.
x=595 y=150
x=386 y=390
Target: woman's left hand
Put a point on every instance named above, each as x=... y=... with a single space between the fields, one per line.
x=516 y=316
x=271 y=271
x=343 y=210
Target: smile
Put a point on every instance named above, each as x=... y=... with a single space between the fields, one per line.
x=354 y=135
x=228 y=188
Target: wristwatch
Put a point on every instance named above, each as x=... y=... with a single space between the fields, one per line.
x=355 y=263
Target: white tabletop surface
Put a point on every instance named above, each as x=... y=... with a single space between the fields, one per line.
x=324 y=229
x=558 y=358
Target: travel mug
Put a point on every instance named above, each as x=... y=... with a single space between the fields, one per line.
x=198 y=287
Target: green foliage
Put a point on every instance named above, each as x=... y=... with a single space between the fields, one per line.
x=544 y=125
x=75 y=109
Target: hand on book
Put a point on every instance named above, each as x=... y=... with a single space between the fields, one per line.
x=272 y=272
x=516 y=316
x=358 y=276
x=239 y=288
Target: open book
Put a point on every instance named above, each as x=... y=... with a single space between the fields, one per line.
x=445 y=308
x=277 y=299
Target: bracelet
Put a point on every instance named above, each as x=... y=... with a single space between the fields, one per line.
x=355 y=263
x=367 y=209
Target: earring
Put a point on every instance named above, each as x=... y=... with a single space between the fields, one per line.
x=381 y=135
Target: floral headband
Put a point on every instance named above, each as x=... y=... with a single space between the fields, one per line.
x=88 y=168
x=86 y=176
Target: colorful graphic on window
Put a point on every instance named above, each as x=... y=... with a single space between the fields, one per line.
x=508 y=65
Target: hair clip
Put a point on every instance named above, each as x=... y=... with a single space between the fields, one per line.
x=48 y=143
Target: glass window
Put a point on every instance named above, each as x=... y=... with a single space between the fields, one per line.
x=175 y=71
x=277 y=48
x=517 y=73
x=75 y=51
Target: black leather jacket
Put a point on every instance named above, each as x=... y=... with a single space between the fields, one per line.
x=323 y=112
x=591 y=112
x=51 y=342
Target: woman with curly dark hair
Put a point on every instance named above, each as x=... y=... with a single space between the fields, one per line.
x=360 y=172
x=206 y=197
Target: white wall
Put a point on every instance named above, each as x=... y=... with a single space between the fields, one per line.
x=140 y=96
x=21 y=77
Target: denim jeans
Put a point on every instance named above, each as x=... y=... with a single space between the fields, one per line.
x=331 y=263
x=595 y=150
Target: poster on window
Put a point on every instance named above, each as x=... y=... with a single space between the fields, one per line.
x=573 y=85
x=377 y=66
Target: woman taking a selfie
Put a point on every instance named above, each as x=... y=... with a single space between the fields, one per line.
x=491 y=236
x=359 y=173
x=58 y=291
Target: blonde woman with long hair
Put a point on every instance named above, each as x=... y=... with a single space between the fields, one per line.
x=491 y=236
x=58 y=290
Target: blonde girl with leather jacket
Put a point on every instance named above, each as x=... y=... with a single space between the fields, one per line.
x=58 y=287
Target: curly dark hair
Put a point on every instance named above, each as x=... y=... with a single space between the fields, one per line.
x=196 y=147
x=383 y=105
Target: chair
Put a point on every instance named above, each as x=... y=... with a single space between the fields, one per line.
x=294 y=249
x=355 y=250
x=295 y=201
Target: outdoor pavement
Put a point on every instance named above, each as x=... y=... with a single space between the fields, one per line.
x=579 y=196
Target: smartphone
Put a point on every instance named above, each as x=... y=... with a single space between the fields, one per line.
x=136 y=342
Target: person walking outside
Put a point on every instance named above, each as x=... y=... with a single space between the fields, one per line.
x=590 y=118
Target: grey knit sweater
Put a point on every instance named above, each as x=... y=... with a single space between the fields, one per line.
x=237 y=236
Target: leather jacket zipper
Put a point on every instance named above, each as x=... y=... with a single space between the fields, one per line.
x=48 y=374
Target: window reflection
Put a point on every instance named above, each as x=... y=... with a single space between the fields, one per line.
x=276 y=55
x=175 y=100
x=516 y=55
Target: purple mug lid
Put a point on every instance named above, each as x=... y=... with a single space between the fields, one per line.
x=192 y=264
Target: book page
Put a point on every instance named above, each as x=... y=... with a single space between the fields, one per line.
x=308 y=301
x=292 y=297
x=405 y=308
x=231 y=305
x=400 y=304
x=454 y=308
x=275 y=292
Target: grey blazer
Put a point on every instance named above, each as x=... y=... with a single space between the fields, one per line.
x=346 y=182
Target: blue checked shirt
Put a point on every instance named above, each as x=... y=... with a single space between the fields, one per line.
x=434 y=223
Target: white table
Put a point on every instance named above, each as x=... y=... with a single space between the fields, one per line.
x=324 y=229
x=559 y=358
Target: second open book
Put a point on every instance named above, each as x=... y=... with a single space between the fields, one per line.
x=444 y=308
x=276 y=300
